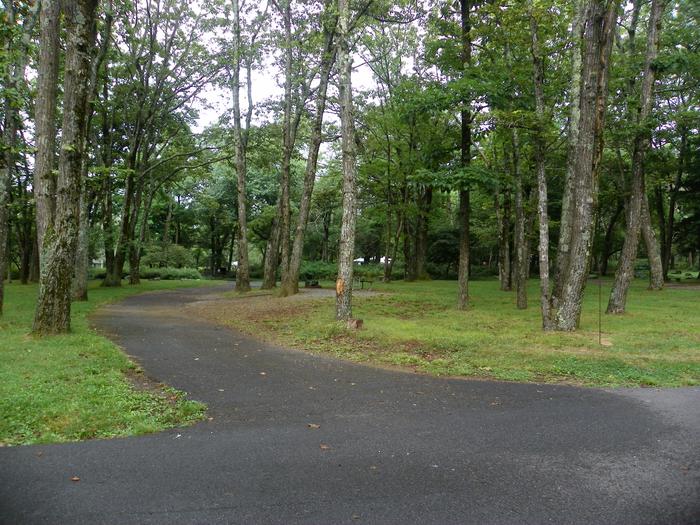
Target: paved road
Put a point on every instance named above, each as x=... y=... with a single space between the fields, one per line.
x=392 y=447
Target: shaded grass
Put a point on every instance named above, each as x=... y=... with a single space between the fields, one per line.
x=416 y=325
x=73 y=387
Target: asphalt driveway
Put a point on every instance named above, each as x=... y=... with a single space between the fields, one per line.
x=298 y=438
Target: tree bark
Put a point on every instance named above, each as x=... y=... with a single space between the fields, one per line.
x=607 y=241
x=239 y=147
x=272 y=251
x=625 y=268
x=45 y=116
x=53 y=305
x=540 y=165
x=522 y=259
x=290 y=281
x=346 y=249
x=503 y=218
x=82 y=262
x=465 y=159
x=656 y=272
x=580 y=194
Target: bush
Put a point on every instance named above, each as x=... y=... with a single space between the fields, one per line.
x=97 y=273
x=318 y=270
x=167 y=255
x=170 y=274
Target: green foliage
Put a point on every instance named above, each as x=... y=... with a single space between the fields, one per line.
x=170 y=274
x=166 y=254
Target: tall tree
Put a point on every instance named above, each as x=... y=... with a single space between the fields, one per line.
x=290 y=281
x=54 y=302
x=625 y=268
x=465 y=160
x=593 y=33
x=346 y=250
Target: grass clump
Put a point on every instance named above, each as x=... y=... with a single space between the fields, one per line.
x=75 y=386
x=416 y=325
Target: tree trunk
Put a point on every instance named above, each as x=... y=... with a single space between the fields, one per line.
x=520 y=241
x=290 y=281
x=656 y=272
x=625 y=268
x=346 y=249
x=82 y=262
x=540 y=165
x=465 y=147
x=503 y=219
x=272 y=255
x=45 y=119
x=580 y=193
x=606 y=252
x=239 y=146
x=53 y=305
x=424 y=206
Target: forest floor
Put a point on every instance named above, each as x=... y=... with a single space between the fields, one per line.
x=81 y=385
x=416 y=326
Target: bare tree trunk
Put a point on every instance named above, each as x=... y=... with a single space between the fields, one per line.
x=503 y=218
x=239 y=146
x=540 y=164
x=290 y=281
x=522 y=260
x=53 y=305
x=45 y=119
x=625 y=268
x=465 y=145
x=607 y=241
x=80 y=279
x=656 y=272
x=346 y=250
x=563 y=248
x=272 y=255
x=425 y=199
x=585 y=153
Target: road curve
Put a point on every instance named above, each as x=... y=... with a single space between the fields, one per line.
x=390 y=447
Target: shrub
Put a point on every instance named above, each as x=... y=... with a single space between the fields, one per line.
x=170 y=274
x=167 y=255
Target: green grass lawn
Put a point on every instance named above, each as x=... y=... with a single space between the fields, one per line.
x=416 y=325
x=74 y=387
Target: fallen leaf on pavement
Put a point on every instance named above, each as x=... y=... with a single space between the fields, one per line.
x=75 y=478
x=323 y=446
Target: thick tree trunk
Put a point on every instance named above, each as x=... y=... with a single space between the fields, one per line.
x=53 y=305
x=625 y=268
x=580 y=193
x=346 y=249
x=45 y=119
x=540 y=165
x=290 y=281
x=563 y=248
x=465 y=159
